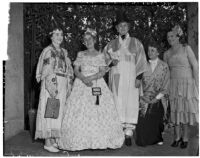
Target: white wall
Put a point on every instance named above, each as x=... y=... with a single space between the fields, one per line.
x=14 y=76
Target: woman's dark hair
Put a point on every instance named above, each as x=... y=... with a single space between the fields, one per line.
x=54 y=29
x=153 y=43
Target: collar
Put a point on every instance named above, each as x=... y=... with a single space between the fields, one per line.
x=153 y=61
x=126 y=37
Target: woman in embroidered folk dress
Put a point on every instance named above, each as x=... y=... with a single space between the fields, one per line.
x=85 y=124
x=183 y=86
x=153 y=102
x=55 y=72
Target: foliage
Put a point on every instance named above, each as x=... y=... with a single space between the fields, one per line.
x=147 y=20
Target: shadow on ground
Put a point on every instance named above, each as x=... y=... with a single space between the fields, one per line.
x=22 y=145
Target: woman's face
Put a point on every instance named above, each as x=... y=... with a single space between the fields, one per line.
x=172 y=38
x=89 y=41
x=57 y=36
x=122 y=28
x=152 y=52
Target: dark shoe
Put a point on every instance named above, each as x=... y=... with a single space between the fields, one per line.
x=176 y=143
x=183 y=145
x=128 y=141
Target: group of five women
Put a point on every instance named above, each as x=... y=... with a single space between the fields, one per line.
x=87 y=114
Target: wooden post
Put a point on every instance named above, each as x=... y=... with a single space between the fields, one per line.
x=192 y=18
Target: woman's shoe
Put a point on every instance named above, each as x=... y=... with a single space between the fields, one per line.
x=55 y=145
x=183 y=145
x=176 y=142
x=128 y=141
x=51 y=149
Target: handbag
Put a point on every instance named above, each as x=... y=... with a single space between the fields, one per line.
x=52 y=108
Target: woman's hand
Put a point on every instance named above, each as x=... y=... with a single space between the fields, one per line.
x=143 y=108
x=107 y=68
x=144 y=100
x=87 y=81
x=153 y=101
x=137 y=83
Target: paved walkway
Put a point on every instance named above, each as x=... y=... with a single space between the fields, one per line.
x=22 y=145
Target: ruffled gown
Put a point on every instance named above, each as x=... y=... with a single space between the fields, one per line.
x=183 y=91
x=86 y=125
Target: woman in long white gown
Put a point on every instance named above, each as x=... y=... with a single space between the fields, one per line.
x=54 y=71
x=87 y=125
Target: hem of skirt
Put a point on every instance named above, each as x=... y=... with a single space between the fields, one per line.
x=64 y=143
x=89 y=147
x=184 y=118
x=183 y=87
x=47 y=134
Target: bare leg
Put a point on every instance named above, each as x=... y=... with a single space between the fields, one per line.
x=177 y=134
x=185 y=132
x=52 y=140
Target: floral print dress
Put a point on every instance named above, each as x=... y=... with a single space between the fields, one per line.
x=85 y=124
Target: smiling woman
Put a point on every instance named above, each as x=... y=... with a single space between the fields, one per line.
x=184 y=84
x=55 y=72
x=91 y=120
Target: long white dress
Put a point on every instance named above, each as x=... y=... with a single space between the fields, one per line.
x=86 y=125
x=123 y=87
x=54 y=71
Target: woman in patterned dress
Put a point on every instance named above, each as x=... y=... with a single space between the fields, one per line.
x=153 y=102
x=55 y=72
x=87 y=125
x=183 y=86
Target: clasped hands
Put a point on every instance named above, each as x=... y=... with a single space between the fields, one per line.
x=144 y=102
x=87 y=80
x=144 y=99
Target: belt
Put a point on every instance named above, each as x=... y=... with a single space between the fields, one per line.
x=62 y=75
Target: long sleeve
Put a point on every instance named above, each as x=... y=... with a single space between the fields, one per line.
x=141 y=62
x=107 y=56
x=194 y=64
x=48 y=65
x=165 y=86
x=48 y=74
x=41 y=62
x=163 y=94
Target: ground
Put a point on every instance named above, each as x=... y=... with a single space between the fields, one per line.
x=22 y=145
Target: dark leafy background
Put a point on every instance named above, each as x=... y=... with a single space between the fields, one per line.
x=147 y=20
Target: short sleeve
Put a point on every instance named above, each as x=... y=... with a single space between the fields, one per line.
x=79 y=59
